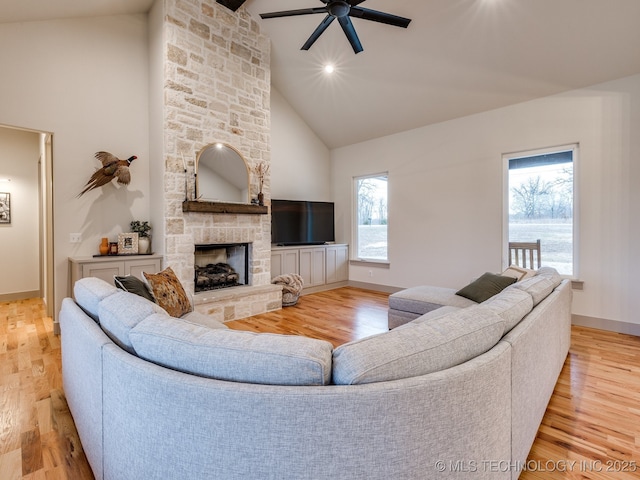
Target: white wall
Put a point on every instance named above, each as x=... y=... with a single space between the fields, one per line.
x=86 y=81
x=446 y=193
x=19 y=240
x=300 y=162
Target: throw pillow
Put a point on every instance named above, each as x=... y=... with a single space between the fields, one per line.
x=485 y=287
x=518 y=273
x=133 y=284
x=168 y=292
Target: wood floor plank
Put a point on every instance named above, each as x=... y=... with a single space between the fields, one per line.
x=590 y=429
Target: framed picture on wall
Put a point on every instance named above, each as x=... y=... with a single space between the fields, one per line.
x=127 y=243
x=5 y=207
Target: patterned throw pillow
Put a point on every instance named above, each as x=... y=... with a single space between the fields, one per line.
x=168 y=292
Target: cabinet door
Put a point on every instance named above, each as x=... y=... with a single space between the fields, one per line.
x=337 y=264
x=312 y=266
x=103 y=270
x=137 y=266
x=284 y=261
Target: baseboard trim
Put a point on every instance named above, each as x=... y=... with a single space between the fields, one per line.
x=375 y=287
x=604 y=324
x=13 y=297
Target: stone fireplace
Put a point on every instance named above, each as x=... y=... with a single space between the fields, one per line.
x=213 y=75
x=221 y=266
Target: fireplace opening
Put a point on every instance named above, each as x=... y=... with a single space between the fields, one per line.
x=221 y=266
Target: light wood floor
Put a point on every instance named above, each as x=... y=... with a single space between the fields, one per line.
x=593 y=418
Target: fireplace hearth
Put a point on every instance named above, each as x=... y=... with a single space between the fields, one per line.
x=221 y=266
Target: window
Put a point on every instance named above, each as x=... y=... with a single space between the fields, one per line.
x=370 y=233
x=541 y=204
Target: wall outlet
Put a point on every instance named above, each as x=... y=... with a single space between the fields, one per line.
x=75 y=237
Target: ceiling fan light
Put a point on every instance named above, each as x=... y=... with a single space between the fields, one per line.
x=329 y=68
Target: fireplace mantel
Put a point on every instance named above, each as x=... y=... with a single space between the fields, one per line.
x=221 y=207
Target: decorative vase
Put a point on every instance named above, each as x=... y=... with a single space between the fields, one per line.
x=144 y=245
x=261 y=199
x=104 y=246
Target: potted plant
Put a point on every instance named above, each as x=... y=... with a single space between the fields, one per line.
x=144 y=239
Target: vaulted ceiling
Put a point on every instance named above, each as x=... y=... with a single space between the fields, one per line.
x=456 y=58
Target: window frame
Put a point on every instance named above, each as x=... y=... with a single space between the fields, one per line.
x=506 y=157
x=354 y=223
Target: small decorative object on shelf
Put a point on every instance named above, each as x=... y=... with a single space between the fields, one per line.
x=113 y=248
x=261 y=170
x=128 y=243
x=104 y=246
x=144 y=239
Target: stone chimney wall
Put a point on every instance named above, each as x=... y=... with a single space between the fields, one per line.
x=216 y=89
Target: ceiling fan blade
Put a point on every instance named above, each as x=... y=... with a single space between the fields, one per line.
x=318 y=31
x=376 y=16
x=350 y=32
x=353 y=3
x=231 y=4
x=291 y=13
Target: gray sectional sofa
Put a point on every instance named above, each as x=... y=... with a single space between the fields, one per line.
x=456 y=393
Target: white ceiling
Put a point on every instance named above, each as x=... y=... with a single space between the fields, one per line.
x=458 y=57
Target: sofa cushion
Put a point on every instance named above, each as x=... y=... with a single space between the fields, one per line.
x=511 y=304
x=168 y=292
x=122 y=311
x=202 y=319
x=485 y=287
x=424 y=298
x=133 y=284
x=89 y=291
x=418 y=348
x=233 y=355
x=550 y=274
x=433 y=314
x=539 y=287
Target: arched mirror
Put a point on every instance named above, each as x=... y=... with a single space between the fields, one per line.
x=221 y=175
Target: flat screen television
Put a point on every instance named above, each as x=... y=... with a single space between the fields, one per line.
x=298 y=222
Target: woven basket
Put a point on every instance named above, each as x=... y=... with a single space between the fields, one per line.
x=290 y=299
x=292 y=284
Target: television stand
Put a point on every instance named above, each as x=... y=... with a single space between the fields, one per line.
x=322 y=267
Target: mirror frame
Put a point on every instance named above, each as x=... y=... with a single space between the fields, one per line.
x=220 y=145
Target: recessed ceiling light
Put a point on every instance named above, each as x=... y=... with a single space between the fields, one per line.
x=329 y=68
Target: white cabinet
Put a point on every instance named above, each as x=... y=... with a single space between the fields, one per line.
x=337 y=263
x=108 y=266
x=321 y=267
x=312 y=266
x=285 y=260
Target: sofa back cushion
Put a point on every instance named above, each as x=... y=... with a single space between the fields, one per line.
x=539 y=287
x=511 y=304
x=233 y=355
x=550 y=274
x=418 y=348
x=89 y=292
x=122 y=311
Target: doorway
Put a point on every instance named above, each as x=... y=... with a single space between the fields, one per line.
x=26 y=176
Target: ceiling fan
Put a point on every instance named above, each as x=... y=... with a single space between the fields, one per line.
x=342 y=10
